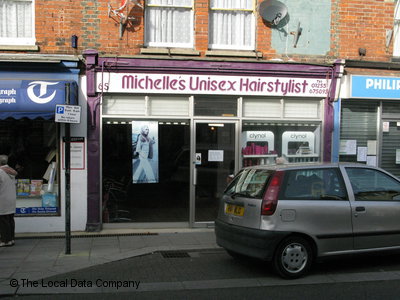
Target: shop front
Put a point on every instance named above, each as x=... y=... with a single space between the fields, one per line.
x=369 y=120
x=171 y=132
x=33 y=140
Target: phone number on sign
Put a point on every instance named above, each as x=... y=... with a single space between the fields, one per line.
x=319 y=91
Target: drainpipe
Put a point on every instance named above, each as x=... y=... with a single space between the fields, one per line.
x=93 y=222
x=336 y=72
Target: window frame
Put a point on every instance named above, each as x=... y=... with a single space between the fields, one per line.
x=375 y=192
x=312 y=172
x=22 y=41
x=252 y=47
x=249 y=178
x=147 y=43
x=396 y=30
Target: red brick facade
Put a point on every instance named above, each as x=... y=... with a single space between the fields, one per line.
x=354 y=24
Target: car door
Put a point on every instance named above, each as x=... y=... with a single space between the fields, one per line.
x=375 y=204
x=314 y=201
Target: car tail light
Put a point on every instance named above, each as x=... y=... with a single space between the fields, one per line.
x=270 y=199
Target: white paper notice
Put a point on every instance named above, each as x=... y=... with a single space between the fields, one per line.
x=397 y=156
x=362 y=154
x=215 y=155
x=371 y=160
x=371 y=147
x=348 y=147
x=198 y=159
x=385 y=126
x=77 y=154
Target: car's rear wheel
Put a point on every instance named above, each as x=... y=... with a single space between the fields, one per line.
x=293 y=257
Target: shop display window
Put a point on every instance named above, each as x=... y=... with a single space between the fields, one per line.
x=31 y=146
x=263 y=143
x=155 y=191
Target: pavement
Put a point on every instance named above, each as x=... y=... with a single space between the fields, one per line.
x=38 y=265
x=34 y=257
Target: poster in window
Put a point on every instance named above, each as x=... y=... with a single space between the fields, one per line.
x=23 y=187
x=348 y=147
x=36 y=187
x=397 y=156
x=361 y=153
x=145 y=152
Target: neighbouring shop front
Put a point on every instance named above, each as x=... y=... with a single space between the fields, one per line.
x=171 y=132
x=369 y=114
x=33 y=140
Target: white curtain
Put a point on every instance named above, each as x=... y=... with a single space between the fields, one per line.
x=232 y=28
x=16 y=19
x=396 y=31
x=169 y=26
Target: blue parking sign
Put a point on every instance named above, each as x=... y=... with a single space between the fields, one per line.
x=60 y=109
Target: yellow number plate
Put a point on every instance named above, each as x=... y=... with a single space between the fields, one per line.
x=236 y=210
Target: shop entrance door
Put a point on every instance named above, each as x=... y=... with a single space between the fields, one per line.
x=214 y=159
x=390 y=147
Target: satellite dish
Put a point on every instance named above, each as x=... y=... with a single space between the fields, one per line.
x=272 y=11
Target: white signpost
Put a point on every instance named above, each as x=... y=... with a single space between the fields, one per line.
x=68 y=114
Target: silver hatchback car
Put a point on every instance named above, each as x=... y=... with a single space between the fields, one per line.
x=292 y=214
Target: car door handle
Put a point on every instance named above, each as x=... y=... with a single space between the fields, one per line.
x=360 y=208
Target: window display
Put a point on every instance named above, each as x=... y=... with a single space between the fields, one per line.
x=151 y=186
x=299 y=146
x=258 y=148
x=263 y=143
x=31 y=146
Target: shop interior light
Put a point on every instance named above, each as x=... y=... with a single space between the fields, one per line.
x=216 y=125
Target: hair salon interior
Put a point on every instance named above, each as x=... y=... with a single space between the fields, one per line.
x=174 y=96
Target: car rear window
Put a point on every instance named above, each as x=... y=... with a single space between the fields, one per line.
x=249 y=183
x=313 y=184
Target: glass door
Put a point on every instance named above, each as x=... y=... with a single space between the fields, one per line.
x=214 y=159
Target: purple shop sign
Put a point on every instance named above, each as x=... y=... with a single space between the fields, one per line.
x=215 y=84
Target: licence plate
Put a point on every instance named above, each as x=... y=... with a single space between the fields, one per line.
x=236 y=210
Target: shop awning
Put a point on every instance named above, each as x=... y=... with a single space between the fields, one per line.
x=34 y=98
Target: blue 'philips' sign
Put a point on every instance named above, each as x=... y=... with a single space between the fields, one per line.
x=375 y=87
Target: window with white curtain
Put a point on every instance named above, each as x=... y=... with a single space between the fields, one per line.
x=396 y=31
x=169 y=23
x=17 y=25
x=232 y=24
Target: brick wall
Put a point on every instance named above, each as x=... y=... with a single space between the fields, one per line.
x=354 y=24
x=362 y=24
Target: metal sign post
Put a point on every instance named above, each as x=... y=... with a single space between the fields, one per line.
x=67 y=179
x=67 y=114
